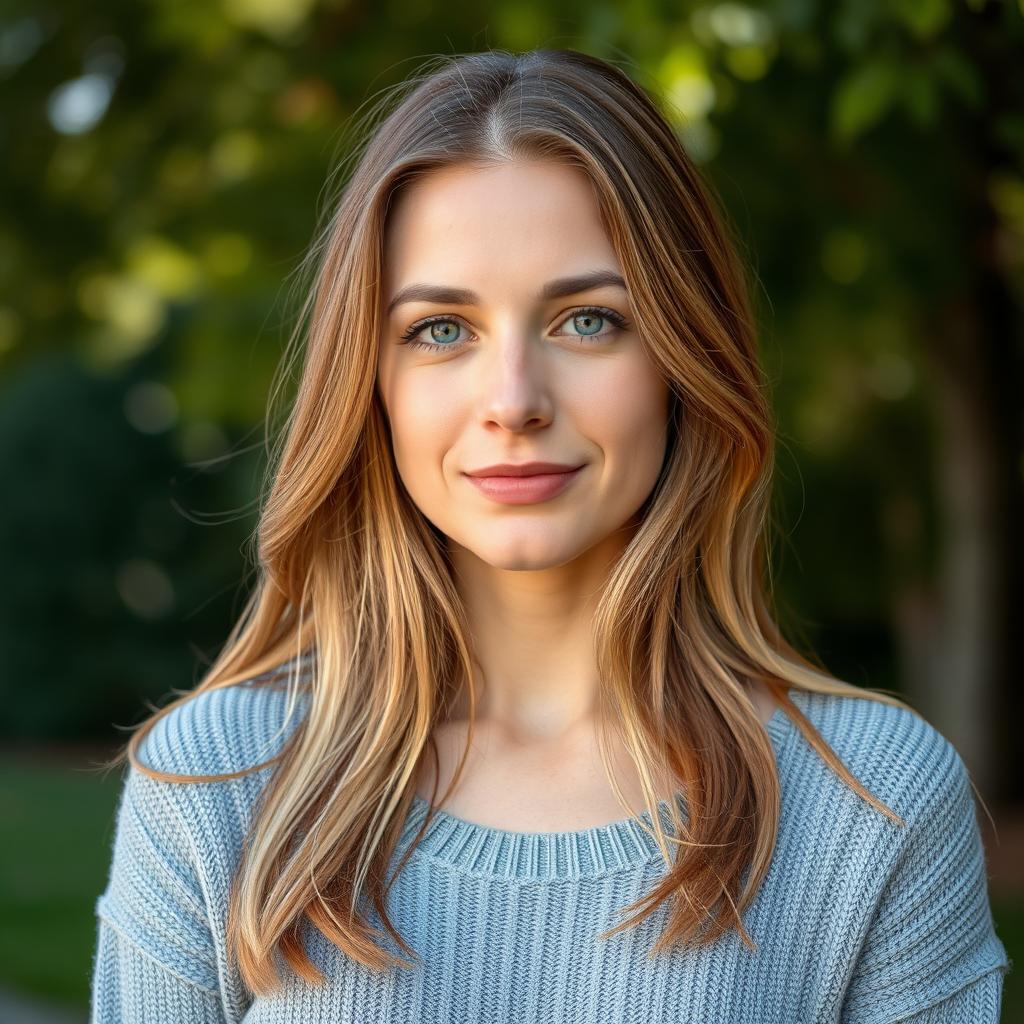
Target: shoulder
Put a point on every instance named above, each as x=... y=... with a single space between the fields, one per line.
x=905 y=909
x=893 y=751
x=224 y=729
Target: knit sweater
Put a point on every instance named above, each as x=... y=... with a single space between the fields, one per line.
x=857 y=920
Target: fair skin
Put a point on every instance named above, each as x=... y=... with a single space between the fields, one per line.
x=511 y=376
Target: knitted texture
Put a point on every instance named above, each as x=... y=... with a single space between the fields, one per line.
x=857 y=920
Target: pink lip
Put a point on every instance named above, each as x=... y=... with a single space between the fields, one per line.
x=523 y=490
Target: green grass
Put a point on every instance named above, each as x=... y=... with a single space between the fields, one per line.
x=60 y=824
x=1009 y=918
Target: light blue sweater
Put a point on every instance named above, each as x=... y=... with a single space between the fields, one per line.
x=857 y=920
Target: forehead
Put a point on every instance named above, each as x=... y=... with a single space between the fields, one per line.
x=464 y=223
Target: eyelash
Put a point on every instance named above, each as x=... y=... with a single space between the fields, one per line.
x=408 y=338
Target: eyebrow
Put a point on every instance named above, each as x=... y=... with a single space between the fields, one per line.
x=464 y=297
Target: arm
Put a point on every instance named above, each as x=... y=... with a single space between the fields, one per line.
x=155 y=955
x=977 y=1001
x=129 y=985
x=931 y=954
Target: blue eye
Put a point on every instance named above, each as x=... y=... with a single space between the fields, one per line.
x=587 y=314
x=422 y=325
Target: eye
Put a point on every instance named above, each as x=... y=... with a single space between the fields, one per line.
x=587 y=320
x=587 y=317
x=441 y=338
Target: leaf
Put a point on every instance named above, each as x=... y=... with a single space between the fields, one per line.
x=957 y=72
x=924 y=18
x=920 y=97
x=862 y=99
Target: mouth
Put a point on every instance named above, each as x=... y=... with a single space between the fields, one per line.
x=525 y=490
x=523 y=469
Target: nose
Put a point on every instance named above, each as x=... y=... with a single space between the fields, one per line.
x=513 y=385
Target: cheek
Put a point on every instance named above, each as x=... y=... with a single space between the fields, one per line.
x=625 y=411
x=626 y=416
x=422 y=422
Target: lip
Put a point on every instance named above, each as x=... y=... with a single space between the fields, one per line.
x=522 y=469
x=524 y=490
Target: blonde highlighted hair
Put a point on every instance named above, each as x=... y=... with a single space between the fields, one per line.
x=353 y=580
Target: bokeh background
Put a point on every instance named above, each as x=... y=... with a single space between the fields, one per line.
x=164 y=164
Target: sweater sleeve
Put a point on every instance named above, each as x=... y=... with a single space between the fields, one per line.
x=931 y=954
x=977 y=1001
x=155 y=957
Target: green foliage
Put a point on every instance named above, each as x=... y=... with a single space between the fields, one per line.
x=864 y=97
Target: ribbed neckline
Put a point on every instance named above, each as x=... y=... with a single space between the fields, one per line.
x=495 y=852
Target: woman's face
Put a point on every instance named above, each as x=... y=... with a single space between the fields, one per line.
x=513 y=367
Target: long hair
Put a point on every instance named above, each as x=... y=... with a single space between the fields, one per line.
x=354 y=581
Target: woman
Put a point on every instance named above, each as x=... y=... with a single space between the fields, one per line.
x=478 y=707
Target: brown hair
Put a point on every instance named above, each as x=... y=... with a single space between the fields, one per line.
x=351 y=570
